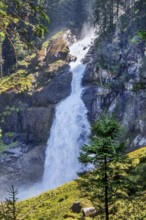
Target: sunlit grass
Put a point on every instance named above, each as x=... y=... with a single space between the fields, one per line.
x=56 y=204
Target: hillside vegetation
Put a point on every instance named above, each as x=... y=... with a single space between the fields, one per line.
x=56 y=204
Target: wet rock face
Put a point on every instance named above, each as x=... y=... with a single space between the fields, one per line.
x=37 y=121
x=35 y=117
x=114 y=81
x=56 y=90
x=89 y=97
x=130 y=109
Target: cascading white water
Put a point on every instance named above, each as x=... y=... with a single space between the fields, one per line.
x=70 y=129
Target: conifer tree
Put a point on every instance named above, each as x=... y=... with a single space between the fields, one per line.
x=8 y=209
x=107 y=177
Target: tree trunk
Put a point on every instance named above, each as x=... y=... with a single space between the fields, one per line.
x=111 y=14
x=1 y=59
x=106 y=189
x=117 y=8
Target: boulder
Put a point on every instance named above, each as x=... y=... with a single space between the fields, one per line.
x=89 y=212
x=76 y=207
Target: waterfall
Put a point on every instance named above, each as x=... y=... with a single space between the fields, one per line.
x=70 y=129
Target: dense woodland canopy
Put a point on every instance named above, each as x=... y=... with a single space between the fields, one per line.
x=23 y=18
x=21 y=23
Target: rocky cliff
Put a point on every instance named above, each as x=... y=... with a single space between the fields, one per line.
x=115 y=79
x=27 y=102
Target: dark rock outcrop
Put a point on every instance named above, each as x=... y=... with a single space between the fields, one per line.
x=76 y=207
x=37 y=121
x=115 y=82
x=56 y=90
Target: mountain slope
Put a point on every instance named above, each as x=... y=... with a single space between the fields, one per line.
x=56 y=204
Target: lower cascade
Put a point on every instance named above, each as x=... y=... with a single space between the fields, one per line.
x=70 y=130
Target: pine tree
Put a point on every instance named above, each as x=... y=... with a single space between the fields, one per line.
x=8 y=208
x=108 y=176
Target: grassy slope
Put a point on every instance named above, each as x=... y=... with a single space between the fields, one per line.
x=56 y=204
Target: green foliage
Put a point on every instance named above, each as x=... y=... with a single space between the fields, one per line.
x=135 y=40
x=23 y=24
x=142 y=35
x=10 y=134
x=20 y=81
x=23 y=18
x=108 y=13
x=105 y=154
x=8 y=209
x=48 y=205
x=139 y=86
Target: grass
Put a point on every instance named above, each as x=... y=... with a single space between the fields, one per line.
x=137 y=154
x=56 y=204
x=19 y=82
